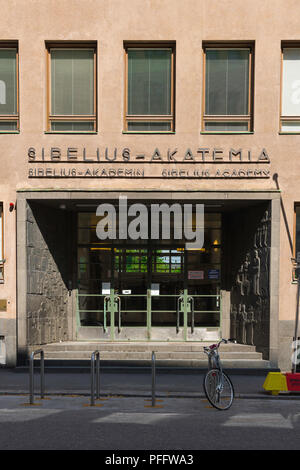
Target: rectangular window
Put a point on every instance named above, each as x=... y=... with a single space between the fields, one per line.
x=72 y=88
x=149 y=88
x=290 y=90
x=9 y=99
x=1 y=244
x=228 y=89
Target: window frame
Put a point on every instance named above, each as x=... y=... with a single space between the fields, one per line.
x=12 y=117
x=51 y=118
x=2 y=260
x=249 y=118
x=283 y=118
x=150 y=118
x=294 y=277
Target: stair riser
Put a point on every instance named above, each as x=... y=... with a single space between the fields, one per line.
x=146 y=356
x=113 y=347
x=227 y=364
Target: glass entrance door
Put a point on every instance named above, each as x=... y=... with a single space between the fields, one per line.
x=147 y=292
x=167 y=284
x=130 y=267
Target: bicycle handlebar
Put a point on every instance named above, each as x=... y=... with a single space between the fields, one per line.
x=213 y=347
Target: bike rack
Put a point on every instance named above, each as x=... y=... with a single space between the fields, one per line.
x=95 y=384
x=95 y=354
x=153 y=379
x=31 y=375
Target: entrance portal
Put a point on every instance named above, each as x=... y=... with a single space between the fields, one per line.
x=155 y=290
x=73 y=286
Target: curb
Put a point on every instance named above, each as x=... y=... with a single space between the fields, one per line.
x=158 y=395
x=145 y=369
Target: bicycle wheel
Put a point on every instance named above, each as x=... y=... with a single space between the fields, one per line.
x=218 y=389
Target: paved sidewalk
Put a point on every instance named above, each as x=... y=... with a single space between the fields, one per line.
x=131 y=382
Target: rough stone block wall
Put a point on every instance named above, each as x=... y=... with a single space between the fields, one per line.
x=47 y=269
x=248 y=242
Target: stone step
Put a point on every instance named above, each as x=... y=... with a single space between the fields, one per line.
x=132 y=355
x=138 y=354
x=141 y=347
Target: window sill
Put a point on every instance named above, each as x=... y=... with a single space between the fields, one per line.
x=9 y=132
x=72 y=132
x=227 y=132
x=289 y=133
x=148 y=132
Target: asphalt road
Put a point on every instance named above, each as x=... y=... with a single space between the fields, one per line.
x=126 y=382
x=128 y=423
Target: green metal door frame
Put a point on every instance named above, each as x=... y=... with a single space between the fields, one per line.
x=113 y=305
x=113 y=302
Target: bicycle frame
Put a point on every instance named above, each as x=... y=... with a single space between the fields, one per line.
x=214 y=362
x=217 y=379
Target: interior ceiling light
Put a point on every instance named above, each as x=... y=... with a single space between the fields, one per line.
x=86 y=205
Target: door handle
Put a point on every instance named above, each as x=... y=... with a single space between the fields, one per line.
x=106 y=300
x=191 y=301
x=118 y=301
x=179 y=309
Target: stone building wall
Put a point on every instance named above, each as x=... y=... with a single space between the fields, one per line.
x=47 y=268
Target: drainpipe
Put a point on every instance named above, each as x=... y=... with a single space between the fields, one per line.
x=297 y=313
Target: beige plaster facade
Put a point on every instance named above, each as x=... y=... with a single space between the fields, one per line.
x=188 y=23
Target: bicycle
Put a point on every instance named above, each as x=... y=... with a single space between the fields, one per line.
x=217 y=385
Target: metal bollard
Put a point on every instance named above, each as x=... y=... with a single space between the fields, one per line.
x=153 y=379
x=31 y=375
x=97 y=355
